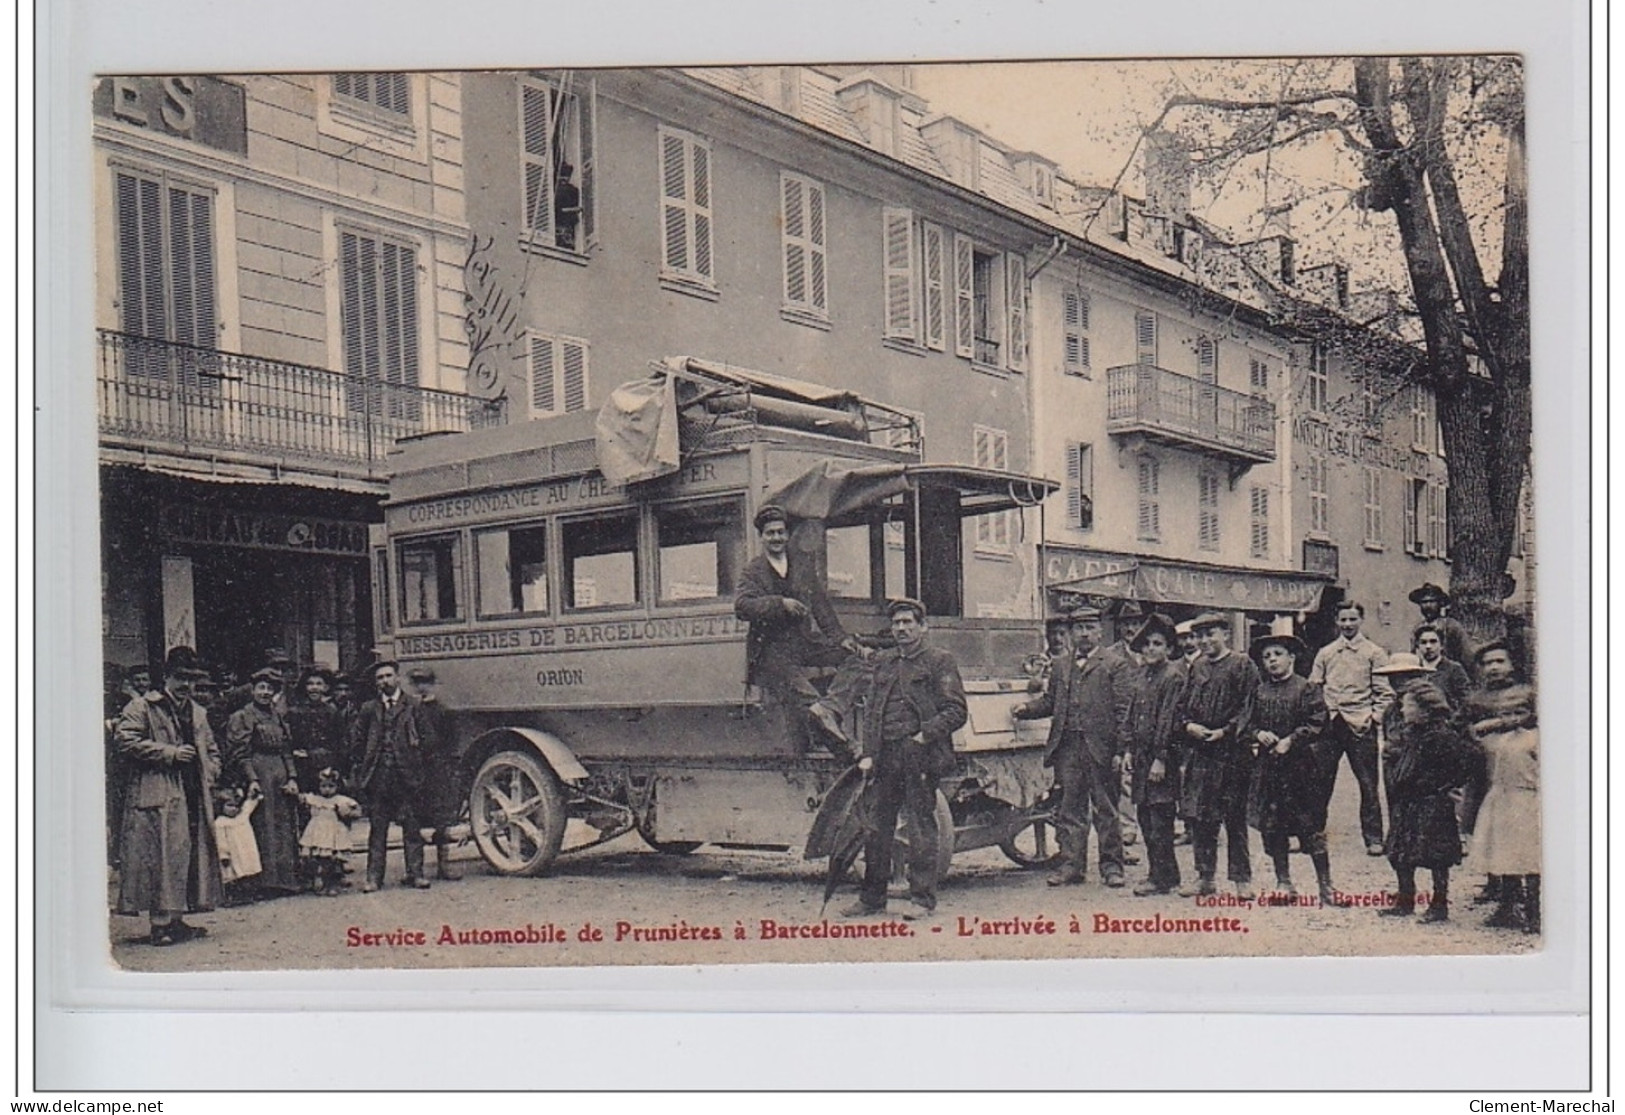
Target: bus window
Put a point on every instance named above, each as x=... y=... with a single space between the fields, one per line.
x=511 y=571
x=701 y=549
x=431 y=579
x=600 y=562
x=850 y=568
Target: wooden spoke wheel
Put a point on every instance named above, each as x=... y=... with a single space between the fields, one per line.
x=516 y=811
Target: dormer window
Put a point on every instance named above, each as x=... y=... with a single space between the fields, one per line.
x=1044 y=184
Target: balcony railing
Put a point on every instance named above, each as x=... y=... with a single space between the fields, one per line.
x=200 y=402
x=1189 y=413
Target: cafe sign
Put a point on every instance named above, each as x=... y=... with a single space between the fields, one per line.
x=1126 y=576
x=197 y=524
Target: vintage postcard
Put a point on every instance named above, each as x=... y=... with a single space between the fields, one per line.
x=810 y=513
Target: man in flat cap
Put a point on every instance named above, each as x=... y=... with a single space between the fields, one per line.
x=916 y=702
x=1087 y=701
x=1432 y=601
x=1214 y=716
x=441 y=803
x=793 y=628
x=388 y=737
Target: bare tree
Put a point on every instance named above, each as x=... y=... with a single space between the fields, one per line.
x=1416 y=127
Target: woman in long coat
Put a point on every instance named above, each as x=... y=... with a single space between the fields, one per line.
x=1506 y=839
x=168 y=861
x=1424 y=762
x=259 y=751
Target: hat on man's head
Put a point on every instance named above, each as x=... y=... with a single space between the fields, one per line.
x=1124 y=609
x=1156 y=624
x=771 y=513
x=372 y=671
x=266 y=673
x=1429 y=591
x=1402 y=664
x=138 y=668
x=905 y=603
x=1083 y=614
x=1184 y=628
x=1294 y=646
x=421 y=673
x=183 y=662
x=1210 y=619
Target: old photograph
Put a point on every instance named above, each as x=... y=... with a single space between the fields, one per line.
x=799 y=513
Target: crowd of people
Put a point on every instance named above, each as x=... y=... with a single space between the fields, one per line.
x=222 y=793
x=1192 y=731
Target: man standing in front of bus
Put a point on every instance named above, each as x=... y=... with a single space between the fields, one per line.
x=916 y=703
x=781 y=597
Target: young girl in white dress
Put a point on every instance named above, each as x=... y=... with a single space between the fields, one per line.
x=326 y=840
x=234 y=836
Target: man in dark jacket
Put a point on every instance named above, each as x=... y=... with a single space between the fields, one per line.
x=388 y=737
x=1087 y=702
x=916 y=703
x=781 y=596
x=1218 y=704
x=1159 y=686
x=1448 y=674
x=441 y=803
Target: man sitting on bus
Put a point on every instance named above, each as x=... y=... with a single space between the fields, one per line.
x=793 y=628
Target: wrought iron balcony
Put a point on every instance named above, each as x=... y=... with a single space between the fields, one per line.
x=1189 y=413
x=160 y=396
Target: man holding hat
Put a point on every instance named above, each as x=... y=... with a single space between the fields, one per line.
x=916 y=702
x=387 y=734
x=1154 y=699
x=169 y=863
x=1431 y=601
x=782 y=597
x=442 y=803
x=1087 y=702
x=1214 y=717
x=1289 y=717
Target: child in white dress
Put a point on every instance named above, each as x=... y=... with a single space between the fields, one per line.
x=234 y=836
x=326 y=839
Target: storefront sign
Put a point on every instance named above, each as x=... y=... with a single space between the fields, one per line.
x=203 y=110
x=1364 y=449
x=261 y=530
x=552 y=496
x=577 y=636
x=1126 y=576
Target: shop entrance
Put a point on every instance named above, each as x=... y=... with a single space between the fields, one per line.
x=317 y=608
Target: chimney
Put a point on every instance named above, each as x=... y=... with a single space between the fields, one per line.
x=874 y=105
x=958 y=146
x=1273 y=255
x=1328 y=282
x=1167 y=177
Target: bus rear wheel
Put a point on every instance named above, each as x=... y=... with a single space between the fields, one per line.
x=516 y=811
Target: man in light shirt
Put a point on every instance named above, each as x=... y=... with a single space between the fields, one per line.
x=1355 y=698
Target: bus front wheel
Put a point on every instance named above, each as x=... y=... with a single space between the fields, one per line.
x=516 y=811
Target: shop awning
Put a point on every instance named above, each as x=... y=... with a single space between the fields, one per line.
x=837 y=494
x=1156 y=581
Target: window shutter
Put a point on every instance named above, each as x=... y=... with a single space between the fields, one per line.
x=1412 y=512
x=575 y=376
x=536 y=122
x=673 y=205
x=589 y=165
x=1075 y=328
x=1207 y=358
x=543 y=372
x=964 y=297
x=794 y=225
x=1444 y=520
x=1074 y=484
x=1016 y=296
x=1150 y=526
x=1145 y=337
x=702 y=209
x=144 y=307
x=898 y=250
x=936 y=310
x=1260 y=521
x=816 y=250
x=1207 y=500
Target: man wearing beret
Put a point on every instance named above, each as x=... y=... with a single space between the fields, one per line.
x=782 y=597
x=916 y=702
x=1087 y=702
x=387 y=735
x=1217 y=707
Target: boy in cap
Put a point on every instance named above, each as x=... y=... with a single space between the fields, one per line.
x=916 y=702
x=1289 y=717
x=1214 y=715
x=1158 y=687
x=782 y=597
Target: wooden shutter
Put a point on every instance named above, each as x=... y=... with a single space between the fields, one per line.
x=1207 y=358
x=575 y=375
x=700 y=169
x=1260 y=521
x=1207 y=511
x=1145 y=337
x=191 y=264
x=898 y=251
x=1015 y=301
x=1413 y=512
x=400 y=314
x=936 y=309
x=1080 y=486
x=589 y=166
x=677 y=254
x=543 y=375
x=1150 y=514
x=964 y=297
x=536 y=125
x=1075 y=329
x=802 y=237
x=143 y=303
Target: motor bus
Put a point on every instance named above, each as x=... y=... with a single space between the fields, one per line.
x=582 y=629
